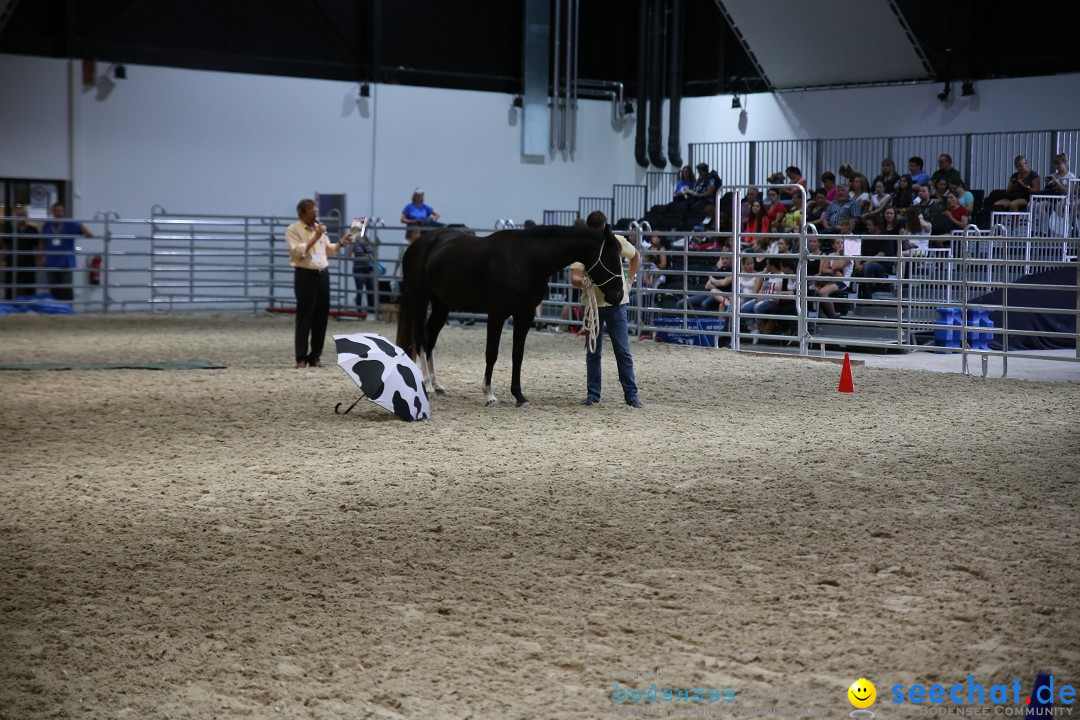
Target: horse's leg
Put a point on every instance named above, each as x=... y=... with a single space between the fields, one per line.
x=494 y=332
x=436 y=322
x=420 y=340
x=522 y=322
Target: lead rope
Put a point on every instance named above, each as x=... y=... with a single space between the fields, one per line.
x=590 y=319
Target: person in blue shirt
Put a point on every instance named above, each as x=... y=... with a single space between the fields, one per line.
x=416 y=215
x=57 y=249
x=915 y=170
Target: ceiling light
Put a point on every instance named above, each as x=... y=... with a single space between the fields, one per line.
x=365 y=90
x=943 y=96
x=967 y=89
x=119 y=72
x=735 y=104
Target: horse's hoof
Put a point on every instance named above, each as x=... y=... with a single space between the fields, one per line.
x=524 y=404
x=491 y=403
x=440 y=391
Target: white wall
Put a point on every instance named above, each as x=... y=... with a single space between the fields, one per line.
x=209 y=142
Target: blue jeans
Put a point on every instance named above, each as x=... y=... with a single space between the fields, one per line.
x=614 y=318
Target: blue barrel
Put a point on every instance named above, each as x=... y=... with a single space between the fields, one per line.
x=944 y=335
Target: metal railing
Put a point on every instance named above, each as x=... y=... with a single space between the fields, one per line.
x=197 y=262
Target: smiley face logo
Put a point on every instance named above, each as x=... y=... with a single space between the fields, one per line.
x=862 y=693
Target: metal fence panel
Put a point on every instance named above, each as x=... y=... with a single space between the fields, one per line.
x=863 y=154
x=560 y=217
x=993 y=155
x=605 y=205
x=774 y=156
x=929 y=147
x=660 y=187
x=629 y=202
x=731 y=160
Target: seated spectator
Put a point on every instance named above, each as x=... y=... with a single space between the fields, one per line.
x=685 y=184
x=775 y=209
x=417 y=214
x=1057 y=182
x=945 y=170
x=704 y=191
x=828 y=182
x=880 y=199
x=792 y=220
x=956 y=187
x=757 y=221
x=933 y=214
x=875 y=245
x=780 y=246
x=849 y=174
x=837 y=269
x=759 y=247
x=795 y=177
x=859 y=194
x=1022 y=184
x=915 y=170
x=905 y=194
x=839 y=209
x=939 y=188
x=655 y=262
x=888 y=175
x=817 y=206
x=956 y=212
x=717 y=287
x=786 y=302
x=764 y=285
x=890 y=224
x=748 y=200
x=813 y=257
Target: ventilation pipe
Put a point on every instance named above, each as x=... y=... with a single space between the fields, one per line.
x=656 y=86
x=642 y=83
x=675 y=83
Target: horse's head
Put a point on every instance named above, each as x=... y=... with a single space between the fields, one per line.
x=606 y=272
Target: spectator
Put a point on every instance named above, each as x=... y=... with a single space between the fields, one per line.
x=915 y=170
x=880 y=199
x=850 y=174
x=717 y=288
x=813 y=256
x=956 y=186
x=792 y=221
x=775 y=209
x=748 y=200
x=839 y=209
x=363 y=272
x=58 y=253
x=528 y=224
x=1057 y=182
x=932 y=212
x=757 y=220
x=816 y=208
x=23 y=248
x=860 y=195
x=956 y=212
x=873 y=245
x=828 y=181
x=309 y=253
x=704 y=191
x=890 y=225
x=838 y=269
x=685 y=184
x=888 y=175
x=764 y=285
x=417 y=214
x=905 y=193
x=945 y=170
x=1022 y=184
x=795 y=177
x=614 y=319
x=938 y=189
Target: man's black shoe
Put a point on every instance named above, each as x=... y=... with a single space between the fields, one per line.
x=635 y=403
x=590 y=401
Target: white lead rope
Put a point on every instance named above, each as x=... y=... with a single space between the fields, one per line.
x=590 y=320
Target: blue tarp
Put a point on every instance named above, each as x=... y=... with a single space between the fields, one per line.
x=45 y=304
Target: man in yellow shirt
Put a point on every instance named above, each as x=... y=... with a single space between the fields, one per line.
x=614 y=318
x=309 y=253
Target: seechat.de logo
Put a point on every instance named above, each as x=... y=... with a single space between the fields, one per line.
x=972 y=692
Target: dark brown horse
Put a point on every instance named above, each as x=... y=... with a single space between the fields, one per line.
x=503 y=275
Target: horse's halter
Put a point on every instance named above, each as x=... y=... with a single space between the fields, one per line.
x=599 y=257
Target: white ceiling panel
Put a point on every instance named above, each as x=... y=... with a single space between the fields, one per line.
x=808 y=43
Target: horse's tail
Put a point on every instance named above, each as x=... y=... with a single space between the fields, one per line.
x=408 y=334
x=406 y=322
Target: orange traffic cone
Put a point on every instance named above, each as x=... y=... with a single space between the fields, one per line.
x=846 y=385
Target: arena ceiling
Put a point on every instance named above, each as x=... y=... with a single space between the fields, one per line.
x=478 y=44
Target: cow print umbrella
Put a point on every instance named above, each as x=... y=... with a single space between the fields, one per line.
x=385 y=373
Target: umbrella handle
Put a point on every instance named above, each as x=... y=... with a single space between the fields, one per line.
x=338 y=406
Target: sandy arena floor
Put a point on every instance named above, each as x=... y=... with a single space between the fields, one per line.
x=218 y=543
